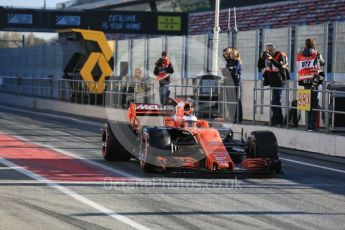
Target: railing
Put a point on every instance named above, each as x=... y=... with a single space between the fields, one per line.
x=39 y=87
x=80 y=91
x=328 y=99
x=211 y=101
x=208 y=101
x=121 y=93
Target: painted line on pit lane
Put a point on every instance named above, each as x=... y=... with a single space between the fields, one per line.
x=313 y=165
x=91 y=162
x=74 y=195
x=65 y=152
x=53 y=115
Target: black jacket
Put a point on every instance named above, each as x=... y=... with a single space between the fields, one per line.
x=235 y=69
x=160 y=68
x=274 y=79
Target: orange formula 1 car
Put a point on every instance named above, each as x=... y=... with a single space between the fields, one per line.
x=185 y=142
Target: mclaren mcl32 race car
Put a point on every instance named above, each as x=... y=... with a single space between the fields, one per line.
x=182 y=141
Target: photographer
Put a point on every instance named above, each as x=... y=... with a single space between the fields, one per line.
x=274 y=63
x=232 y=74
x=309 y=63
x=163 y=70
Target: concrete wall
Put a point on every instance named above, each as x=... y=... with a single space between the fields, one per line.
x=327 y=144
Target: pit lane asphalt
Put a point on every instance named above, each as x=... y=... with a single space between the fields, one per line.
x=304 y=197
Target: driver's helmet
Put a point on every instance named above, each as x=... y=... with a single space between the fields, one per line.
x=190 y=120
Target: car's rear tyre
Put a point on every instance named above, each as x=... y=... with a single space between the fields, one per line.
x=112 y=150
x=144 y=158
x=155 y=142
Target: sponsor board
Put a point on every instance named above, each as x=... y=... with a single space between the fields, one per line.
x=304 y=99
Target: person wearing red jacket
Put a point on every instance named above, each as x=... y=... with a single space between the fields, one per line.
x=309 y=62
x=163 y=70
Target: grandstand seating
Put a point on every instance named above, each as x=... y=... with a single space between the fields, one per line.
x=276 y=15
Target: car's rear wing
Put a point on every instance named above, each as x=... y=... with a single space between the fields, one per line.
x=149 y=110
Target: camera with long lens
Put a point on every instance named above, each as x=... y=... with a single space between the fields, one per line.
x=160 y=62
x=265 y=54
x=317 y=80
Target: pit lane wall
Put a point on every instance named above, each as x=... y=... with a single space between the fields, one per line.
x=327 y=144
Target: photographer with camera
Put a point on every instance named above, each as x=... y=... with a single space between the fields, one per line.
x=310 y=76
x=232 y=74
x=163 y=70
x=275 y=74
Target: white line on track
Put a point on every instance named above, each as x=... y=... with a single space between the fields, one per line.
x=74 y=195
x=313 y=165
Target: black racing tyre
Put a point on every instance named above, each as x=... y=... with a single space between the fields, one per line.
x=144 y=158
x=155 y=143
x=112 y=150
x=262 y=144
x=237 y=157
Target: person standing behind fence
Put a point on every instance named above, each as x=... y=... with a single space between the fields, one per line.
x=309 y=62
x=274 y=63
x=163 y=70
x=139 y=85
x=234 y=68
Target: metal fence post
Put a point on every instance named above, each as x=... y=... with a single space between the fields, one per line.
x=325 y=68
x=238 y=97
x=58 y=90
x=96 y=93
x=254 y=104
x=327 y=113
x=295 y=63
x=130 y=58
x=89 y=96
x=334 y=51
x=262 y=93
x=82 y=93
x=224 y=107
x=210 y=103
x=287 y=101
x=256 y=77
x=289 y=54
x=270 y=108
